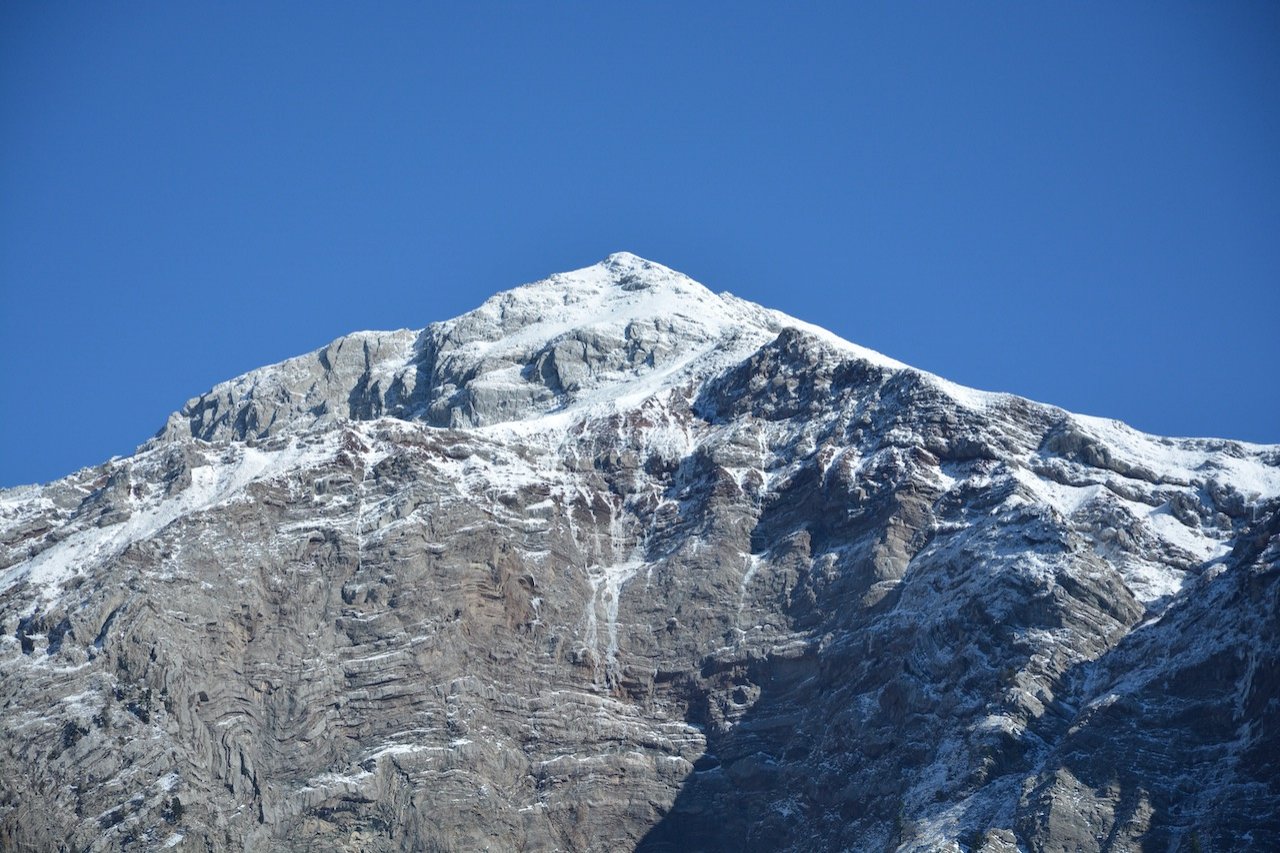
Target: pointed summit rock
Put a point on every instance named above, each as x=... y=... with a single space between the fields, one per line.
x=586 y=338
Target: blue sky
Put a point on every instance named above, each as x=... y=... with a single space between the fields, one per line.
x=1075 y=202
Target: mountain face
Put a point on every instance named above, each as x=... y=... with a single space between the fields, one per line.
x=615 y=563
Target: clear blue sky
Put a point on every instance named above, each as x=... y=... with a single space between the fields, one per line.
x=1075 y=202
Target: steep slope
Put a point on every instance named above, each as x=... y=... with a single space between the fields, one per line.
x=615 y=562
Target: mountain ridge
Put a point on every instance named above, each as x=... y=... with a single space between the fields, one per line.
x=622 y=287
x=621 y=267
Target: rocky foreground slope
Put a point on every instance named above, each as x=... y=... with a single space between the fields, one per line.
x=613 y=562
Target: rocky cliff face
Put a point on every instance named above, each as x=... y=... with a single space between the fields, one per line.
x=616 y=563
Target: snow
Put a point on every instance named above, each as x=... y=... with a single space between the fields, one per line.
x=606 y=590
x=400 y=749
x=224 y=475
x=1065 y=499
x=1189 y=459
x=692 y=332
x=23 y=500
x=595 y=297
x=785 y=321
x=969 y=397
x=1173 y=531
x=753 y=562
x=1150 y=579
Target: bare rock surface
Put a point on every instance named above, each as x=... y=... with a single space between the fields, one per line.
x=616 y=563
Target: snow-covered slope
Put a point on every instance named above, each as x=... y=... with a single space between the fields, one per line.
x=613 y=561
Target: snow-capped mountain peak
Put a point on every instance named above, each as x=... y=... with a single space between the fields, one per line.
x=616 y=331
x=614 y=562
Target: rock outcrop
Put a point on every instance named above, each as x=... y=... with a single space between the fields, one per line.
x=615 y=563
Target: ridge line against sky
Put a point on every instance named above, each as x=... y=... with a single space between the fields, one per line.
x=1076 y=204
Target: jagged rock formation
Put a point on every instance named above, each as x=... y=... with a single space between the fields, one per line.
x=613 y=562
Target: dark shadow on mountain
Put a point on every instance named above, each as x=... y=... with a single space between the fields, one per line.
x=815 y=737
x=1158 y=740
x=728 y=802
x=416 y=403
x=816 y=745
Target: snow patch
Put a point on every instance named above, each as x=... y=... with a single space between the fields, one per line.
x=223 y=477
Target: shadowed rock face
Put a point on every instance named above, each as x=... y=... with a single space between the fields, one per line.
x=616 y=563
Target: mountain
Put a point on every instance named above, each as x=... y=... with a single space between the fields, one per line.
x=613 y=562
